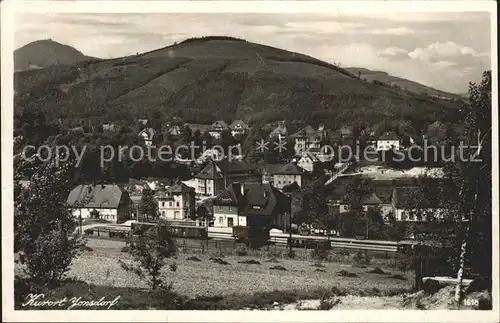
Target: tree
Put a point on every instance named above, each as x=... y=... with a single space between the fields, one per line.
x=466 y=191
x=44 y=228
x=149 y=207
x=150 y=251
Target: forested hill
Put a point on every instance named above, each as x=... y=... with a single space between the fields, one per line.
x=399 y=82
x=45 y=53
x=202 y=80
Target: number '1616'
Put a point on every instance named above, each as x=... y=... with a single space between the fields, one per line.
x=471 y=302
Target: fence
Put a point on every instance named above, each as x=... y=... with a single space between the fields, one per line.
x=215 y=247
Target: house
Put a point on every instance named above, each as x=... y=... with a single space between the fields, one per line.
x=238 y=128
x=174 y=130
x=198 y=127
x=306 y=138
x=309 y=162
x=279 y=132
x=380 y=197
x=177 y=202
x=216 y=175
x=405 y=203
x=281 y=175
x=104 y=201
x=387 y=141
x=345 y=132
x=256 y=205
x=217 y=128
x=147 y=135
x=108 y=127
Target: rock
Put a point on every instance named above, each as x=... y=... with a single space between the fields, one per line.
x=377 y=270
x=193 y=259
x=278 y=268
x=249 y=262
x=345 y=273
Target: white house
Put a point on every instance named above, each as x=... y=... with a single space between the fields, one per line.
x=387 y=141
x=405 y=206
x=217 y=128
x=103 y=201
x=238 y=128
x=147 y=135
x=251 y=204
x=308 y=161
x=281 y=175
x=216 y=175
x=177 y=202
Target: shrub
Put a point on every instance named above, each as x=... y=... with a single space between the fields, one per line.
x=43 y=224
x=150 y=251
x=361 y=258
x=322 y=251
x=241 y=252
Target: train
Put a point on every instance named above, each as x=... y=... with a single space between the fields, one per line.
x=180 y=231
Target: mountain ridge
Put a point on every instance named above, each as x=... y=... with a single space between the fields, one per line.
x=46 y=52
x=217 y=77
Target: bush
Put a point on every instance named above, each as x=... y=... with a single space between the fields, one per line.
x=361 y=258
x=242 y=252
x=150 y=251
x=322 y=251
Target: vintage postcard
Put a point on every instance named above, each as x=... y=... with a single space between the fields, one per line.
x=295 y=161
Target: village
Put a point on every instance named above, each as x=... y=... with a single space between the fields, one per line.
x=224 y=193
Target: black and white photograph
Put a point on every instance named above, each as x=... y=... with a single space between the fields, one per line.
x=255 y=160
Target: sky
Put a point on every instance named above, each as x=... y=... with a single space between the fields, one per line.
x=442 y=50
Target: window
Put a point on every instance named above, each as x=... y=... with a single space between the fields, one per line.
x=169 y=203
x=221 y=220
x=163 y=204
x=221 y=208
x=230 y=222
x=177 y=204
x=163 y=213
x=229 y=208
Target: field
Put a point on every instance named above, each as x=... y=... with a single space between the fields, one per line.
x=205 y=278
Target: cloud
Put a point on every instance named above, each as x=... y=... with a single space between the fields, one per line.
x=439 y=50
x=325 y=27
x=394 y=53
x=394 y=31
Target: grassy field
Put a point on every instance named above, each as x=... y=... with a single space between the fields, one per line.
x=206 y=278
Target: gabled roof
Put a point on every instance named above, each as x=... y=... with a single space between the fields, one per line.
x=345 y=131
x=217 y=169
x=238 y=124
x=197 y=126
x=231 y=195
x=306 y=132
x=180 y=188
x=149 y=131
x=311 y=156
x=95 y=196
x=219 y=124
x=279 y=130
x=264 y=199
x=370 y=199
x=388 y=135
x=210 y=171
x=284 y=169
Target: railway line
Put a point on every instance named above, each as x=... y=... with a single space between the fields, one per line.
x=118 y=231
